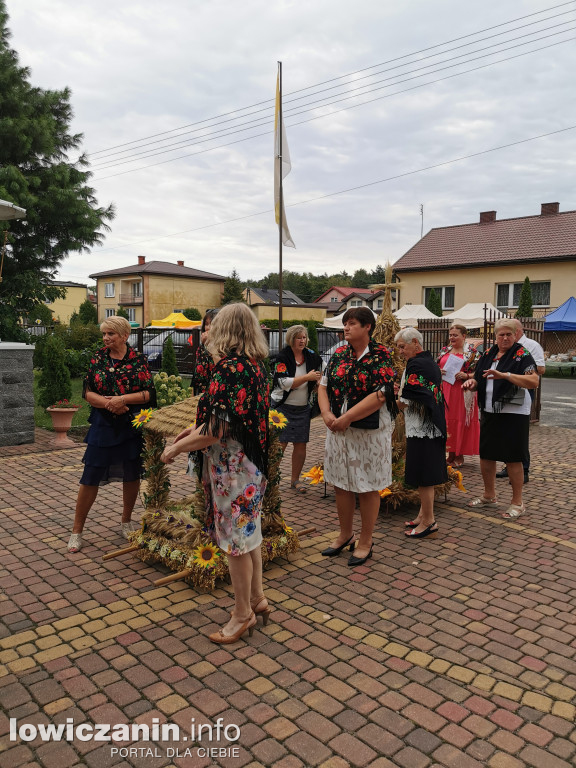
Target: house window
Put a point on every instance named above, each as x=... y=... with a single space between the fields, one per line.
x=131 y=314
x=508 y=294
x=137 y=290
x=356 y=303
x=335 y=298
x=379 y=304
x=446 y=294
x=109 y=290
x=110 y=312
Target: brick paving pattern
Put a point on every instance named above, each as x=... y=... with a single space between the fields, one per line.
x=453 y=652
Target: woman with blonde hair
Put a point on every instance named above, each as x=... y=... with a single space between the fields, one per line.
x=502 y=379
x=117 y=385
x=463 y=428
x=231 y=444
x=296 y=375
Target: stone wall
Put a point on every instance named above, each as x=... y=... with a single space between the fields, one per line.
x=16 y=394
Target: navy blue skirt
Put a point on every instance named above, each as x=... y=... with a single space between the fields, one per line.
x=113 y=451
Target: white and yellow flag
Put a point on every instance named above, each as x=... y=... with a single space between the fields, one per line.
x=286 y=167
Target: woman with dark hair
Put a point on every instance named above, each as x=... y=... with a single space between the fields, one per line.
x=502 y=379
x=117 y=385
x=231 y=444
x=462 y=423
x=296 y=374
x=356 y=398
x=204 y=361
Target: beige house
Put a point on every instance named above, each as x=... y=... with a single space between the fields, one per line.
x=291 y=312
x=488 y=261
x=149 y=290
x=76 y=294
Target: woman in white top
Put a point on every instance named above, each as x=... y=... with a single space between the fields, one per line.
x=296 y=374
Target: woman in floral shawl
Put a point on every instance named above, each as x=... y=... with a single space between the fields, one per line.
x=356 y=398
x=461 y=406
x=503 y=377
x=117 y=385
x=231 y=441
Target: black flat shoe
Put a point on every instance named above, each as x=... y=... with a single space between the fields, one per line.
x=432 y=530
x=354 y=561
x=333 y=551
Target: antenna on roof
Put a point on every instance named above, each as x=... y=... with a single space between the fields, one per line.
x=422 y=222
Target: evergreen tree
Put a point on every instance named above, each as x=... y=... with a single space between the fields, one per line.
x=35 y=173
x=192 y=313
x=54 y=382
x=525 y=301
x=434 y=303
x=87 y=313
x=40 y=315
x=121 y=312
x=232 y=288
x=169 y=358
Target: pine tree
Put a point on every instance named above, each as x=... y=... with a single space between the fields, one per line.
x=232 y=288
x=35 y=174
x=525 y=301
x=169 y=358
x=87 y=313
x=434 y=303
x=54 y=382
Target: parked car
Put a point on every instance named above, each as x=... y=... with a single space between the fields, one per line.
x=153 y=347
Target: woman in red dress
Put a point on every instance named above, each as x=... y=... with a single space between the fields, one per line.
x=461 y=409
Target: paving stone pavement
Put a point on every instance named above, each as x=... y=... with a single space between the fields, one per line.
x=453 y=652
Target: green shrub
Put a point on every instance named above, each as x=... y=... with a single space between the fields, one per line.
x=434 y=303
x=192 y=313
x=54 y=381
x=169 y=389
x=525 y=301
x=169 y=358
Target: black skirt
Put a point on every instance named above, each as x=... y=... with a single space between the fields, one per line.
x=298 y=428
x=425 y=461
x=504 y=437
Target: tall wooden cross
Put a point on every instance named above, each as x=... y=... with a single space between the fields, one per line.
x=387 y=287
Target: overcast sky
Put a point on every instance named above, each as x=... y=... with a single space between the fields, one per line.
x=140 y=68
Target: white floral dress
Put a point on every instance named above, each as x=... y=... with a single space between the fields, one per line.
x=234 y=489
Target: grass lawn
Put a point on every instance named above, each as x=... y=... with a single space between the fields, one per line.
x=42 y=419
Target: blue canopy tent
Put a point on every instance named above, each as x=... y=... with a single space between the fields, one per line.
x=563 y=318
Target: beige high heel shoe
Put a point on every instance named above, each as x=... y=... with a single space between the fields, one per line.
x=264 y=611
x=222 y=639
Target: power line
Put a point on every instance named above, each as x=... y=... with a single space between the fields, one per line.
x=352 y=93
x=337 y=111
x=349 y=189
x=351 y=74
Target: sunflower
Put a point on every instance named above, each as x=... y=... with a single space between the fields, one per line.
x=315 y=474
x=142 y=417
x=456 y=478
x=384 y=492
x=277 y=419
x=206 y=555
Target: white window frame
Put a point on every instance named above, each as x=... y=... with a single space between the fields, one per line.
x=137 y=290
x=511 y=286
x=335 y=298
x=442 y=290
x=131 y=312
x=379 y=303
x=109 y=290
x=356 y=303
x=110 y=312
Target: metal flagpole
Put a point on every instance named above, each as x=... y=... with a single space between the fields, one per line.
x=281 y=205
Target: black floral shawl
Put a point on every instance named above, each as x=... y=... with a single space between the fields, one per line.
x=286 y=367
x=423 y=387
x=109 y=377
x=516 y=360
x=352 y=380
x=203 y=366
x=235 y=406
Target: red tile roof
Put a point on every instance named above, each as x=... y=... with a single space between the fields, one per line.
x=528 y=239
x=345 y=292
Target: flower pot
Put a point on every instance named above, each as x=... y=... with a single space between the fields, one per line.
x=62 y=421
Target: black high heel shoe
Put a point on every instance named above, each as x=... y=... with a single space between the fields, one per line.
x=354 y=561
x=431 y=531
x=333 y=551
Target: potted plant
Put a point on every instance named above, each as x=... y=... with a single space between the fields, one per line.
x=56 y=390
x=62 y=414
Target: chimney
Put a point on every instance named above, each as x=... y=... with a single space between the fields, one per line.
x=549 y=208
x=141 y=259
x=487 y=216
x=180 y=263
